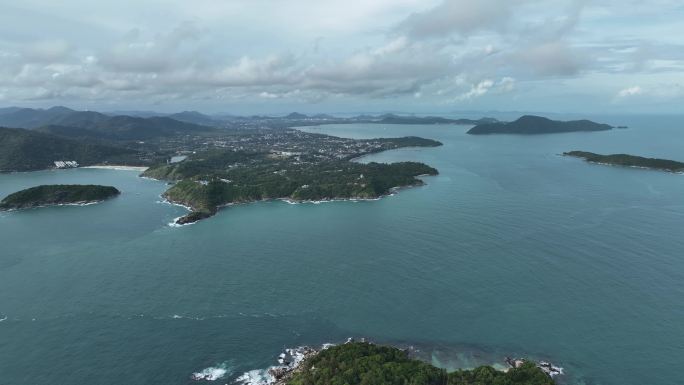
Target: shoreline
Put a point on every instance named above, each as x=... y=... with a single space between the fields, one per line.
x=117 y=167
x=289 y=201
x=622 y=165
x=292 y=361
x=84 y=203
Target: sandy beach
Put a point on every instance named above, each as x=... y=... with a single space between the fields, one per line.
x=122 y=168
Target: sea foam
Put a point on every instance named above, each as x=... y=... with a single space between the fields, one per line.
x=212 y=373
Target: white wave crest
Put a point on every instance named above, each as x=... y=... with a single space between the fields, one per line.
x=212 y=373
x=255 y=377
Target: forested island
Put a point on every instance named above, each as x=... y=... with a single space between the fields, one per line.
x=365 y=363
x=49 y=195
x=629 y=161
x=322 y=170
x=531 y=125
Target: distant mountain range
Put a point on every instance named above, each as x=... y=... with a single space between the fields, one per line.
x=140 y=125
x=66 y=122
x=530 y=125
x=396 y=119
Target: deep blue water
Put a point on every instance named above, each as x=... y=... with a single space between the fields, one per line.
x=511 y=250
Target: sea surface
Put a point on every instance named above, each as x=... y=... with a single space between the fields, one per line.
x=512 y=250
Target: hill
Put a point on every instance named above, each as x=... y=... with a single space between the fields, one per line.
x=48 y=195
x=101 y=126
x=365 y=363
x=530 y=125
x=195 y=117
x=23 y=150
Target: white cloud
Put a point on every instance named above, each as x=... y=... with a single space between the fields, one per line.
x=630 y=91
x=408 y=52
x=478 y=90
x=460 y=16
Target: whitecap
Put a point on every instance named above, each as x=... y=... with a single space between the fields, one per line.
x=211 y=373
x=255 y=377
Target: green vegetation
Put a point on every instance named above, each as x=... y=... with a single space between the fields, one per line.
x=23 y=150
x=205 y=188
x=530 y=125
x=56 y=195
x=369 y=364
x=629 y=161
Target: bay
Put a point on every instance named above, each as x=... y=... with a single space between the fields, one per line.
x=510 y=250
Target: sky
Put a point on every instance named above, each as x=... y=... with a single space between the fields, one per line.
x=419 y=56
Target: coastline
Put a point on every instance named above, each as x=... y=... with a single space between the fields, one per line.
x=84 y=203
x=292 y=361
x=118 y=167
x=622 y=165
x=289 y=201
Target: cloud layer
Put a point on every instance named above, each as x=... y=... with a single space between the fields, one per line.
x=407 y=54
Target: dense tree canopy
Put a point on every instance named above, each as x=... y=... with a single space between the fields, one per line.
x=369 y=364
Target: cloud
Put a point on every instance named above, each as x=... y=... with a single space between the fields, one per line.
x=135 y=53
x=384 y=53
x=463 y=17
x=630 y=91
x=549 y=59
x=478 y=90
x=47 y=51
x=506 y=84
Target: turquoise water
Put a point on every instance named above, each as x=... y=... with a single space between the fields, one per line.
x=511 y=250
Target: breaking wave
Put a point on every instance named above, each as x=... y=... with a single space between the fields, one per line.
x=212 y=373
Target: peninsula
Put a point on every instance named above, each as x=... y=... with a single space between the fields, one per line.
x=51 y=195
x=368 y=363
x=629 y=161
x=531 y=125
x=302 y=167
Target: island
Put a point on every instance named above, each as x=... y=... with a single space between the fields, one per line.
x=531 y=125
x=51 y=195
x=368 y=363
x=294 y=166
x=629 y=161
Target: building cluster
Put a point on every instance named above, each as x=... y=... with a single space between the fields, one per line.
x=66 y=164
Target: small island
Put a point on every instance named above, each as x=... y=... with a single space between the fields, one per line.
x=368 y=363
x=629 y=161
x=533 y=125
x=53 y=195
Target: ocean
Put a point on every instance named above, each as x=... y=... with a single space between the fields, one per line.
x=512 y=250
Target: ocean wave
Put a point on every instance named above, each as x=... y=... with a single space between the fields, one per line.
x=212 y=373
x=3 y=318
x=255 y=377
x=288 y=361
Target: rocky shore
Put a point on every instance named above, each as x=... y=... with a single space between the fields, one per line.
x=294 y=363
